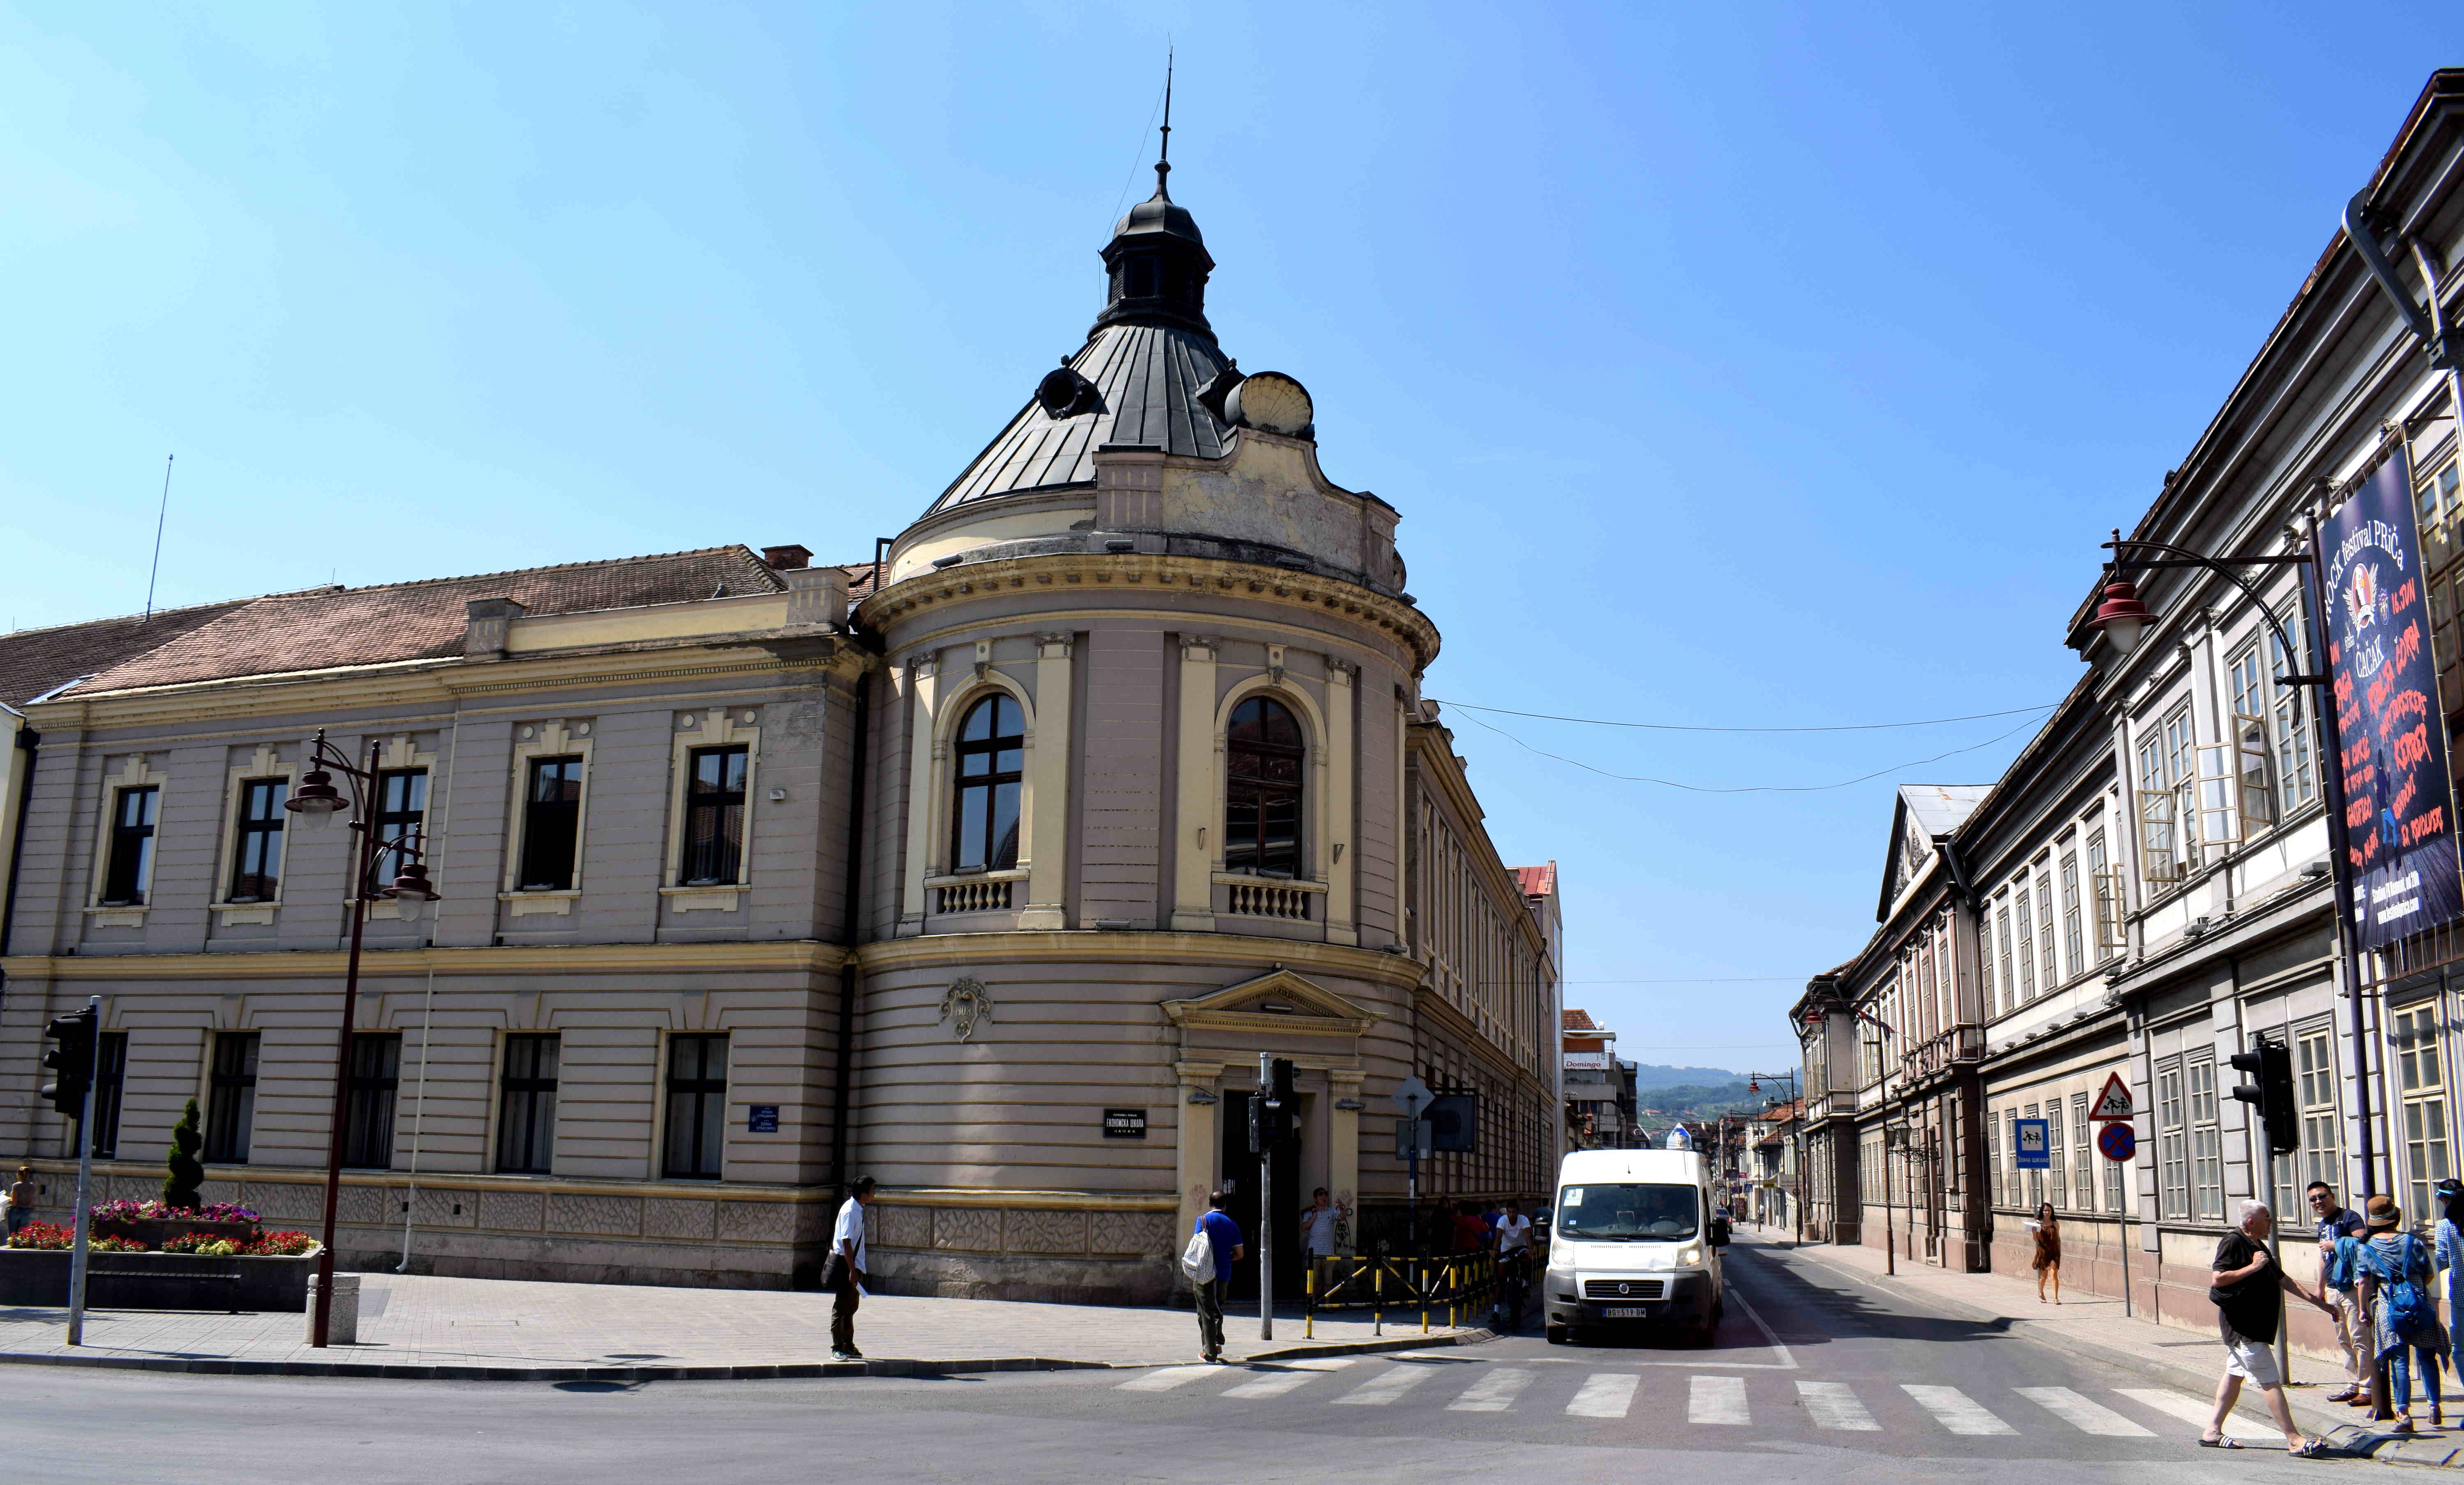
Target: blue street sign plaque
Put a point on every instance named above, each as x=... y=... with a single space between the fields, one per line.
x=2030 y=1138
x=2118 y=1142
x=762 y=1121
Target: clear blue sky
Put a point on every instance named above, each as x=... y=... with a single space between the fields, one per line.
x=1738 y=364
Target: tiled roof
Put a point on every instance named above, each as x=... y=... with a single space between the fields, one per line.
x=1535 y=881
x=33 y=661
x=1578 y=1019
x=331 y=626
x=1146 y=379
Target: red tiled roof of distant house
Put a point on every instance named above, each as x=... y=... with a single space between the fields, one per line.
x=1535 y=881
x=1578 y=1020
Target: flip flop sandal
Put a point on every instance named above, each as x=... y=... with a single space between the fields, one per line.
x=2219 y=1441
x=2311 y=1449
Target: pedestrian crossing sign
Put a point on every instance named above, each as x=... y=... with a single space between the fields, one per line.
x=2114 y=1102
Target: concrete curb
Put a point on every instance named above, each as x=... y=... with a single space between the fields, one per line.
x=2427 y=1450
x=886 y=1366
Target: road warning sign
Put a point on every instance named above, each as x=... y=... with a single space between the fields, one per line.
x=2114 y=1102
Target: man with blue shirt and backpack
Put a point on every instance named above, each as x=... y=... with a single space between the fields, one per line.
x=1214 y=1247
x=2395 y=1284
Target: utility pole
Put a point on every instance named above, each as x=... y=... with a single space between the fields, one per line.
x=85 y=1175
x=1266 y=1127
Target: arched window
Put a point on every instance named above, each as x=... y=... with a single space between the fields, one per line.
x=992 y=756
x=1263 y=754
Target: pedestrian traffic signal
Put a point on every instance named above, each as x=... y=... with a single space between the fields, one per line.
x=1272 y=1112
x=2272 y=1062
x=71 y=1062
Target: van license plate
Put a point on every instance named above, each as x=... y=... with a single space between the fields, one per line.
x=1625 y=1311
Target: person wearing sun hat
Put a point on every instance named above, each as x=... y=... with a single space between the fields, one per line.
x=2448 y=1247
x=2395 y=1274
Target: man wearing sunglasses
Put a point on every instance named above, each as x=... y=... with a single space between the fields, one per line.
x=2336 y=1286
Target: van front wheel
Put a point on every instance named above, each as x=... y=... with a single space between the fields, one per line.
x=1557 y=1334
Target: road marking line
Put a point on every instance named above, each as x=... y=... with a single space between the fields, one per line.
x=1718 y=1400
x=1272 y=1384
x=2198 y=1410
x=1834 y=1405
x=1787 y=1362
x=1955 y=1410
x=2088 y=1417
x=1493 y=1393
x=1608 y=1394
x=1167 y=1378
x=1386 y=1386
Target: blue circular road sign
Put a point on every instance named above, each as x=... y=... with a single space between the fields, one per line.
x=2118 y=1142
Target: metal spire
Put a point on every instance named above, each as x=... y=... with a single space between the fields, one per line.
x=1163 y=160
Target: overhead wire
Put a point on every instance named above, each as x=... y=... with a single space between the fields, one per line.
x=1672 y=726
x=1756 y=788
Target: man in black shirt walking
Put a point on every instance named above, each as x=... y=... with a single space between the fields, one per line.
x=2249 y=1292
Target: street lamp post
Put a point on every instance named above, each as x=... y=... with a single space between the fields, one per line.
x=1753 y=1084
x=316 y=799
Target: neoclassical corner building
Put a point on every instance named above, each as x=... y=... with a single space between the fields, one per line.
x=987 y=867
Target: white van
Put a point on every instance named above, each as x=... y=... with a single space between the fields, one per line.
x=1635 y=1239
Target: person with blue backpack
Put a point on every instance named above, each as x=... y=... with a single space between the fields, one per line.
x=2397 y=1284
x=2450 y=1248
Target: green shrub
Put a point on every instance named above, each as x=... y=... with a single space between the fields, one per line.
x=184 y=1186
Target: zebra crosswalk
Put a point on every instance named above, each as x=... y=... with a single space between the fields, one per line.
x=1711 y=1399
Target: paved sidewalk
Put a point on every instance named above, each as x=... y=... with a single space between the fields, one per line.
x=415 y=1325
x=2096 y=1324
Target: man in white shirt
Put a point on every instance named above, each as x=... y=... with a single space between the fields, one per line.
x=843 y=1273
x=1513 y=1232
x=1318 y=1224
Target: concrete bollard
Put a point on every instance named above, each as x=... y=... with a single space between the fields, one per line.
x=343 y=1327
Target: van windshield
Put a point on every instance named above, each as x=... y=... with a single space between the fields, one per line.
x=1612 y=1213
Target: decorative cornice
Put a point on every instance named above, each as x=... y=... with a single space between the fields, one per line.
x=791 y=955
x=1082 y=945
x=1124 y=570
x=1322 y=1011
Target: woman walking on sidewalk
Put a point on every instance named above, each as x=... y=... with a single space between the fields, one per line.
x=2404 y=1316
x=2048 y=1262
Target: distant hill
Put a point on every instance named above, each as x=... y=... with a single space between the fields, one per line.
x=1648 y=1076
x=1692 y=1102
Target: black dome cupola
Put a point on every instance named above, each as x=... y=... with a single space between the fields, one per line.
x=1156 y=260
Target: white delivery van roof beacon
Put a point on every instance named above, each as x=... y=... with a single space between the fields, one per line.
x=1679 y=1138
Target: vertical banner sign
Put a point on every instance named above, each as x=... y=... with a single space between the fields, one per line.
x=2391 y=734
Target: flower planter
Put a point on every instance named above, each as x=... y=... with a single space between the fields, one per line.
x=156 y=1280
x=155 y=1231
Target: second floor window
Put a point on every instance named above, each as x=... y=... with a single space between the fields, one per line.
x=130 y=873
x=526 y=1109
x=714 y=816
x=230 y=1099
x=402 y=814
x=551 y=825
x=2027 y=941
x=2046 y=946
x=991 y=761
x=1264 y=752
x=2009 y=986
x=368 y=1123
x=2258 y=792
x=2073 y=941
x=2160 y=840
x=256 y=845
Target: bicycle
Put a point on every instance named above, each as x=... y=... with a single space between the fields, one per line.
x=1513 y=1290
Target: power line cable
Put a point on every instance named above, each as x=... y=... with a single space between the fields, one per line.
x=1670 y=727
x=1755 y=789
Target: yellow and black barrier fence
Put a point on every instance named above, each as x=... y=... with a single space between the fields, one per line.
x=1456 y=1288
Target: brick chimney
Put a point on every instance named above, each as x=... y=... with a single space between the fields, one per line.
x=488 y=620
x=787 y=558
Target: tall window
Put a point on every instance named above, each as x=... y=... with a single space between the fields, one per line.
x=130 y=873
x=2425 y=1104
x=367 y=1106
x=992 y=761
x=526 y=1107
x=2182 y=765
x=2050 y=950
x=2257 y=794
x=551 y=825
x=1984 y=959
x=2083 y=1158
x=715 y=815
x=2009 y=986
x=2107 y=885
x=2173 y=1144
x=2027 y=941
x=1994 y=1157
x=2074 y=937
x=2207 y=1141
x=2160 y=841
x=2057 y=1153
x=110 y=1081
x=1264 y=752
x=256 y=850
x=2293 y=766
x=696 y=1105
x=230 y=1099
x=2314 y=1064
x=402 y=814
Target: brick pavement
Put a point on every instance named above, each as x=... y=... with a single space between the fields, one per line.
x=514 y=1327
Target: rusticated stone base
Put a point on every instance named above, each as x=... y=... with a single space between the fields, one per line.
x=1047 y=1281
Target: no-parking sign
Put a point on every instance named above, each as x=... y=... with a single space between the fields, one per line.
x=2118 y=1142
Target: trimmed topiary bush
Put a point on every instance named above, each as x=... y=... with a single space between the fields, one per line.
x=184 y=1186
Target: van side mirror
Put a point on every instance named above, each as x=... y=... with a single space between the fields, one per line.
x=1719 y=1232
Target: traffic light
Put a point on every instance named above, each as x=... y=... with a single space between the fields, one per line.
x=71 y=1062
x=2272 y=1094
x=1271 y=1111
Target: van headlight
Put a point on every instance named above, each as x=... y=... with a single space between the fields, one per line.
x=1690 y=1255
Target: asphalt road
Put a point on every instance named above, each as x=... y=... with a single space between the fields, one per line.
x=1811 y=1375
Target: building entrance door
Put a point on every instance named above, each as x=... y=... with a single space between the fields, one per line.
x=1243 y=1202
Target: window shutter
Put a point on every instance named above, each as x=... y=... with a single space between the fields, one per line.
x=2109 y=933
x=2257 y=794
x=2159 y=859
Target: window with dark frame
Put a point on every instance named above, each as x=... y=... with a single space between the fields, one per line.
x=551 y=825
x=130 y=872
x=401 y=815
x=1264 y=753
x=713 y=852
x=230 y=1099
x=991 y=759
x=696 y=1106
x=368 y=1100
x=257 y=847
x=526 y=1110
x=110 y=1081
